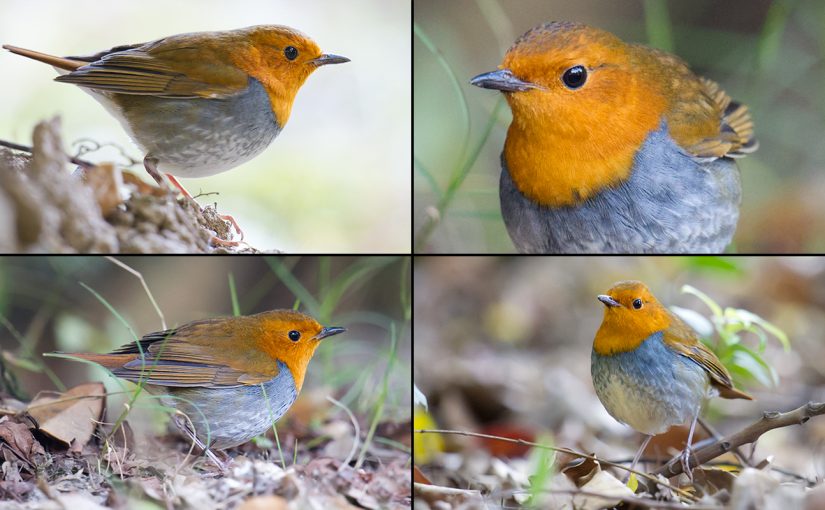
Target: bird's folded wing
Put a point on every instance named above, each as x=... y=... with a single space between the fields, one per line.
x=162 y=69
x=204 y=354
x=734 y=137
x=682 y=339
x=702 y=118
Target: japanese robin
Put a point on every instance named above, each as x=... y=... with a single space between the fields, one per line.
x=232 y=377
x=649 y=369
x=201 y=103
x=615 y=147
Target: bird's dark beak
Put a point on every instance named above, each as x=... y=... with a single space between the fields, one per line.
x=324 y=60
x=608 y=301
x=332 y=330
x=503 y=80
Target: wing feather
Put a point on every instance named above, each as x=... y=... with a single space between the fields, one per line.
x=682 y=338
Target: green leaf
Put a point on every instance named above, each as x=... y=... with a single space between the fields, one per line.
x=715 y=308
x=750 y=318
x=758 y=368
x=541 y=462
x=721 y=264
x=695 y=320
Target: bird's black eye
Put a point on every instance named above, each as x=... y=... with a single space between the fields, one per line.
x=574 y=77
x=637 y=303
x=294 y=335
x=291 y=53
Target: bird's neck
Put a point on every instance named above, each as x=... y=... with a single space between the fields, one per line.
x=560 y=156
x=297 y=362
x=622 y=333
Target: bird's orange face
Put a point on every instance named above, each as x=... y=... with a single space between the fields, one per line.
x=576 y=74
x=281 y=58
x=582 y=106
x=291 y=337
x=631 y=314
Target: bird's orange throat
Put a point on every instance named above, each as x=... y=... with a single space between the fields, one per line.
x=623 y=331
x=559 y=156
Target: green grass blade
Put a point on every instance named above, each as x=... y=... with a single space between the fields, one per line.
x=458 y=179
x=658 y=25
x=236 y=308
x=454 y=81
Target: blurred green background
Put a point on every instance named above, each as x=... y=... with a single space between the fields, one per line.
x=343 y=155
x=506 y=342
x=44 y=307
x=767 y=54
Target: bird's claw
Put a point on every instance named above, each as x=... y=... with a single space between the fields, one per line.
x=685 y=458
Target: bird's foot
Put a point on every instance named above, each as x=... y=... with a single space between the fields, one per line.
x=685 y=459
x=223 y=464
x=217 y=242
x=230 y=219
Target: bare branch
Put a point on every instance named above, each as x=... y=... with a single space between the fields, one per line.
x=769 y=421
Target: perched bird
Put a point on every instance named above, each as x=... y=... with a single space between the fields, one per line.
x=232 y=377
x=649 y=369
x=615 y=147
x=201 y=103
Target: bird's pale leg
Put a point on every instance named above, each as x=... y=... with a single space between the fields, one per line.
x=183 y=425
x=180 y=187
x=688 y=451
x=639 y=453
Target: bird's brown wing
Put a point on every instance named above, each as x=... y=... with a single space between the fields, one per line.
x=203 y=354
x=702 y=118
x=682 y=338
x=182 y=67
x=735 y=136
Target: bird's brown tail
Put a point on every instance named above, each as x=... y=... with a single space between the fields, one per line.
x=59 y=62
x=110 y=361
x=732 y=392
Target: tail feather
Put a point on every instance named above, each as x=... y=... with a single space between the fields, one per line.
x=110 y=361
x=66 y=64
x=731 y=392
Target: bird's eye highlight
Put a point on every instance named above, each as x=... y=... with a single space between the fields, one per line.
x=291 y=53
x=574 y=77
x=294 y=335
x=637 y=303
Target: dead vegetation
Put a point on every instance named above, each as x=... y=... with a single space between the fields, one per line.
x=98 y=209
x=53 y=456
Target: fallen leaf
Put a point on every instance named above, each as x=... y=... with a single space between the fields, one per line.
x=420 y=477
x=264 y=503
x=71 y=416
x=581 y=470
x=105 y=181
x=17 y=438
x=605 y=484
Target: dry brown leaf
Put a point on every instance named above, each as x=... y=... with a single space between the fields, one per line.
x=105 y=181
x=69 y=417
x=264 y=503
x=17 y=438
x=605 y=484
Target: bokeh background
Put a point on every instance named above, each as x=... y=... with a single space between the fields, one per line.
x=503 y=346
x=337 y=179
x=767 y=54
x=49 y=304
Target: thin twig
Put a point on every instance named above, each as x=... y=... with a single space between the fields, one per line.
x=568 y=451
x=30 y=150
x=769 y=421
x=357 y=432
x=145 y=288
